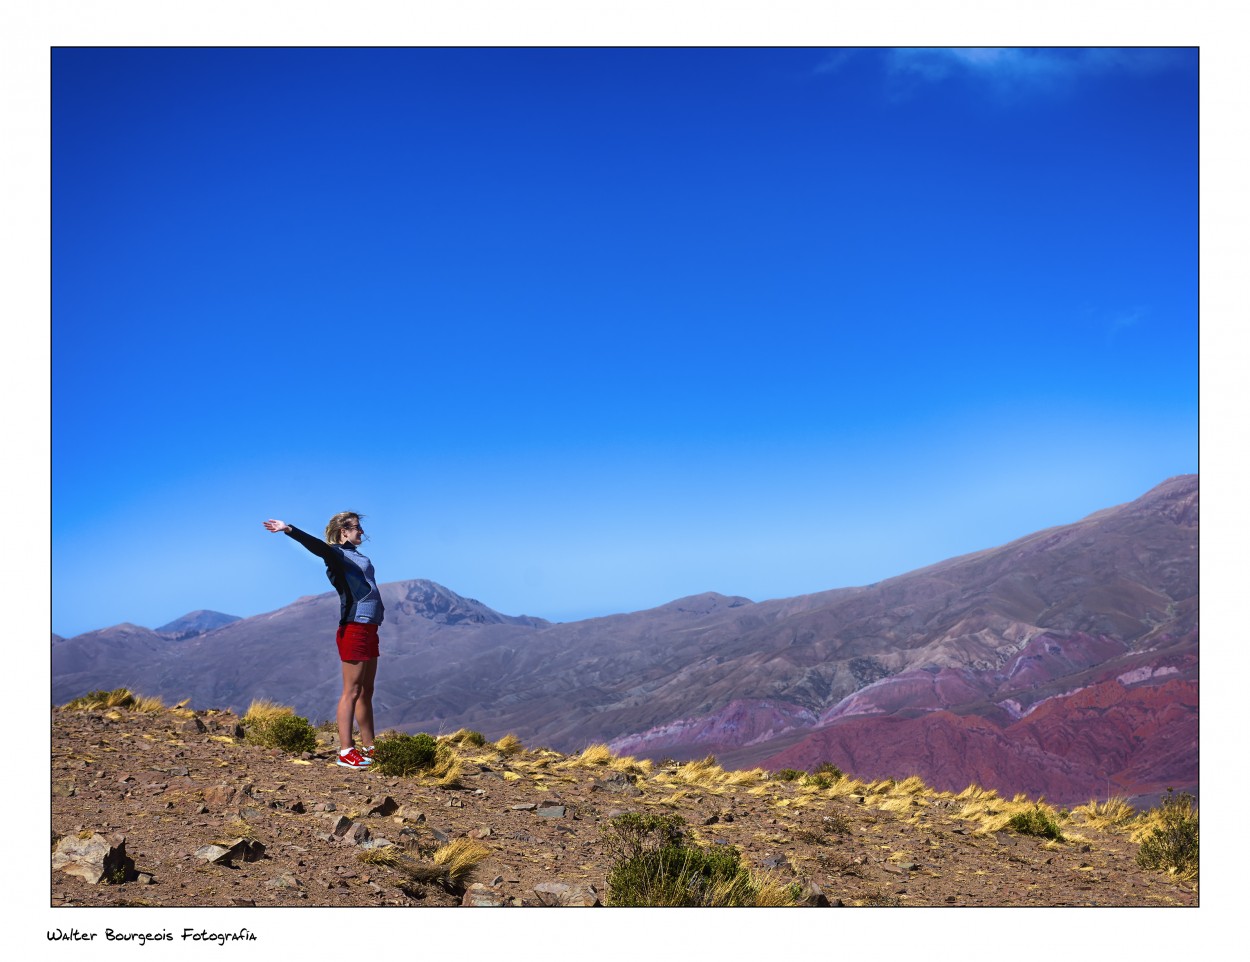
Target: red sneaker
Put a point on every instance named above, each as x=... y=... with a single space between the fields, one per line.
x=366 y=752
x=353 y=759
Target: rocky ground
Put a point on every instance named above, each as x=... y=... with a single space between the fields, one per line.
x=211 y=820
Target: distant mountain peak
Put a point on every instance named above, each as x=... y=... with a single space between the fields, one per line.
x=430 y=600
x=195 y=623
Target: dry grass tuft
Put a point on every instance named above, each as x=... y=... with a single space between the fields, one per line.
x=233 y=830
x=975 y=793
x=846 y=786
x=388 y=855
x=262 y=711
x=1114 y=813
x=509 y=745
x=898 y=804
x=912 y=785
x=703 y=772
x=465 y=737
x=448 y=767
x=98 y=700
x=459 y=858
x=747 y=778
x=593 y=755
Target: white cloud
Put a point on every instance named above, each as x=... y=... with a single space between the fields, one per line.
x=1018 y=69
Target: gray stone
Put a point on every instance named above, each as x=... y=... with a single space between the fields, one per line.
x=339 y=825
x=565 y=895
x=284 y=881
x=97 y=858
x=479 y=895
x=194 y=725
x=524 y=807
x=552 y=811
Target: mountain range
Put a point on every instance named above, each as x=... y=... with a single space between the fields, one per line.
x=1063 y=664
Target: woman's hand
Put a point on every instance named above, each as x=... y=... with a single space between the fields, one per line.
x=277 y=525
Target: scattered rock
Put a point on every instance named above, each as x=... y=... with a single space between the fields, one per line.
x=64 y=788
x=386 y=806
x=218 y=797
x=194 y=725
x=552 y=811
x=241 y=849
x=619 y=783
x=94 y=859
x=479 y=896
x=813 y=895
x=565 y=895
x=284 y=881
x=357 y=834
x=339 y=825
x=524 y=807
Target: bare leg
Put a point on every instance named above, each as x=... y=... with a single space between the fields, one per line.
x=353 y=672
x=364 y=704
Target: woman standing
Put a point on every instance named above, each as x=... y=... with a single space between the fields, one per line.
x=360 y=613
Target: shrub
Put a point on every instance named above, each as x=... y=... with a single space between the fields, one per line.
x=1172 y=845
x=1035 y=821
x=829 y=769
x=818 y=779
x=788 y=774
x=654 y=865
x=401 y=754
x=277 y=726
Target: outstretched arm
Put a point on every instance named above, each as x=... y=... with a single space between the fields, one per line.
x=317 y=547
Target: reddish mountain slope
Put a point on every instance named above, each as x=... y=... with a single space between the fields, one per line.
x=987 y=653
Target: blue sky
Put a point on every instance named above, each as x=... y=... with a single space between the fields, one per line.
x=585 y=330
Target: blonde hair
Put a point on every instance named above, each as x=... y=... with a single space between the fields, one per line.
x=335 y=527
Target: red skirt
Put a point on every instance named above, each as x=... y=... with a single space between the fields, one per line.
x=357 y=642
